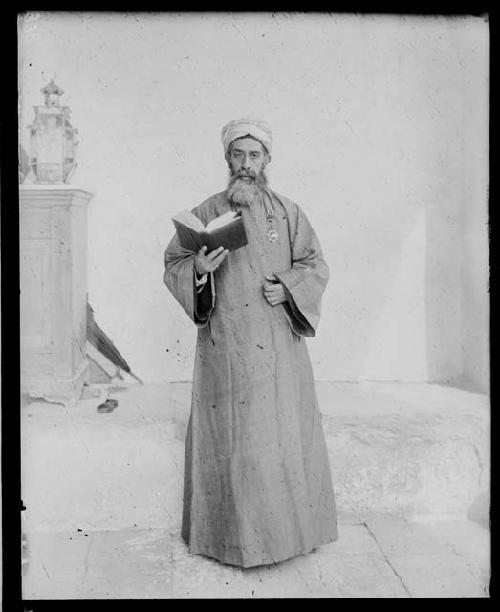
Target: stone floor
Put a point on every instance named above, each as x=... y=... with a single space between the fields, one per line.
x=381 y=557
x=103 y=497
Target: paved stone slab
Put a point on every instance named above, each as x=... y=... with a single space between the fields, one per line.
x=56 y=565
x=353 y=540
x=398 y=537
x=129 y=565
x=196 y=576
x=388 y=557
x=443 y=559
x=438 y=575
x=469 y=541
x=99 y=565
x=199 y=576
x=364 y=575
x=320 y=574
x=349 y=518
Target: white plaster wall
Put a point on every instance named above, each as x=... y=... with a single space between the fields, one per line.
x=475 y=272
x=372 y=120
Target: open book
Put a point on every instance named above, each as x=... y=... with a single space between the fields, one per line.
x=228 y=231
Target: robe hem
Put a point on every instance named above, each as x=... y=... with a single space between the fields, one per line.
x=246 y=565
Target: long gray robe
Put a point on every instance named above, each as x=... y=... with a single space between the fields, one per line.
x=257 y=485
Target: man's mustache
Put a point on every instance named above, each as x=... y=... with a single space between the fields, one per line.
x=248 y=174
x=252 y=178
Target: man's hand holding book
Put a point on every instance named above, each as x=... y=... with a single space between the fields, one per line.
x=209 y=262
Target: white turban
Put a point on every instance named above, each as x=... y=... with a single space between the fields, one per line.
x=240 y=128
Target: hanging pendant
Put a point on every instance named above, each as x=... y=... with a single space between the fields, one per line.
x=272 y=235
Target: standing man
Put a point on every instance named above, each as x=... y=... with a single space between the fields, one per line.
x=257 y=483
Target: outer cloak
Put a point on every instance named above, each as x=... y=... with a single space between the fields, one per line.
x=257 y=483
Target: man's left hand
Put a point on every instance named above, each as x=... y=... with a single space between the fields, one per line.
x=273 y=291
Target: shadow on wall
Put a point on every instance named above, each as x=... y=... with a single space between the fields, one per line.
x=443 y=261
x=429 y=319
x=457 y=298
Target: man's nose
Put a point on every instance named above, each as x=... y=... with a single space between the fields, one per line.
x=246 y=163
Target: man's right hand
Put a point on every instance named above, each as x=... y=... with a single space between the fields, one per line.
x=204 y=262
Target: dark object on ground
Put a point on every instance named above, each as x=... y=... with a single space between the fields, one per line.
x=105 y=345
x=108 y=406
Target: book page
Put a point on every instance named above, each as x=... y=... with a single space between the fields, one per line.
x=189 y=220
x=225 y=219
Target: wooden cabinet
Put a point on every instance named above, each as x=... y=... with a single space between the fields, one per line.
x=53 y=282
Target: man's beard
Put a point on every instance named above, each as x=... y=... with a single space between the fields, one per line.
x=245 y=192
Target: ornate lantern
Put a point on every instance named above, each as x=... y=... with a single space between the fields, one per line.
x=53 y=139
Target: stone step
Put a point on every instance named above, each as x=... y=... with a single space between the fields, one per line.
x=412 y=449
x=416 y=449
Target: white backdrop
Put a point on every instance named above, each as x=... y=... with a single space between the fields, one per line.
x=380 y=134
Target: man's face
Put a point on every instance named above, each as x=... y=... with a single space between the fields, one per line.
x=247 y=158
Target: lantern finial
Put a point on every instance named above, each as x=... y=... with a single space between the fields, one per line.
x=53 y=139
x=52 y=93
